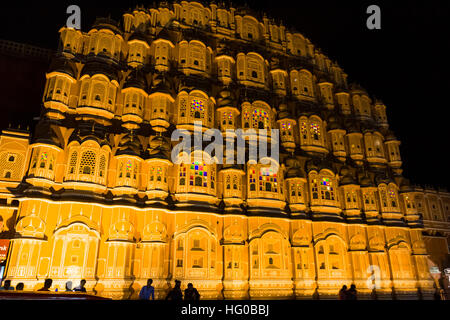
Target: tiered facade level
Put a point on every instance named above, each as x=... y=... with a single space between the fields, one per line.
x=95 y=194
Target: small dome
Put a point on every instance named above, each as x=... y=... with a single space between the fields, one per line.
x=347 y=179
x=312 y=164
x=161 y=83
x=138 y=35
x=365 y=181
x=390 y=136
x=130 y=145
x=136 y=79
x=45 y=134
x=107 y=23
x=93 y=67
x=333 y=123
x=352 y=127
x=225 y=98
x=405 y=186
x=61 y=64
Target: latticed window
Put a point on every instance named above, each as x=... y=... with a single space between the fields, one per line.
x=87 y=163
x=102 y=166
x=73 y=162
x=183 y=104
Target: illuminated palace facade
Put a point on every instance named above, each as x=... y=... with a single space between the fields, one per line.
x=94 y=193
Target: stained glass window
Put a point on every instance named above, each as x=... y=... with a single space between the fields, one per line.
x=268 y=180
x=260 y=119
x=197 y=108
x=327 y=191
x=315 y=131
x=303 y=130
x=198 y=175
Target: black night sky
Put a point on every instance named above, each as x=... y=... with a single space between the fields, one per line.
x=405 y=64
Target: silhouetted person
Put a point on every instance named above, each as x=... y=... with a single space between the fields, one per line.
x=175 y=294
x=147 y=291
x=69 y=286
x=352 y=293
x=20 y=286
x=191 y=293
x=7 y=285
x=47 y=285
x=81 y=287
x=343 y=293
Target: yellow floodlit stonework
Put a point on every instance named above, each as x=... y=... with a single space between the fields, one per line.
x=95 y=194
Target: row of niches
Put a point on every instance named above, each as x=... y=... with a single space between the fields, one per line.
x=225 y=63
x=275 y=38
x=105 y=96
x=157 y=177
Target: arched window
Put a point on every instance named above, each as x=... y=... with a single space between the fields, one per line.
x=306 y=83
x=102 y=166
x=261 y=119
x=43 y=160
x=87 y=163
x=197 y=56
x=196 y=177
x=323 y=189
x=73 y=162
x=255 y=68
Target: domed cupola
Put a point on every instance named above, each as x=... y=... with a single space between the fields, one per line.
x=45 y=134
x=129 y=163
x=312 y=164
x=351 y=191
x=392 y=146
x=227 y=109
x=232 y=176
x=355 y=138
x=130 y=145
x=336 y=134
x=407 y=195
x=369 y=196
x=60 y=79
x=99 y=86
x=136 y=79
x=88 y=150
x=286 y=124
x=161 y=99
x=157 y=165
x=366 y=182
x=134 y=97
x=295 y=183
x=106 y=40
x=46 y=151
x=138 y=49
x=326 y=89
x=346 y=177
